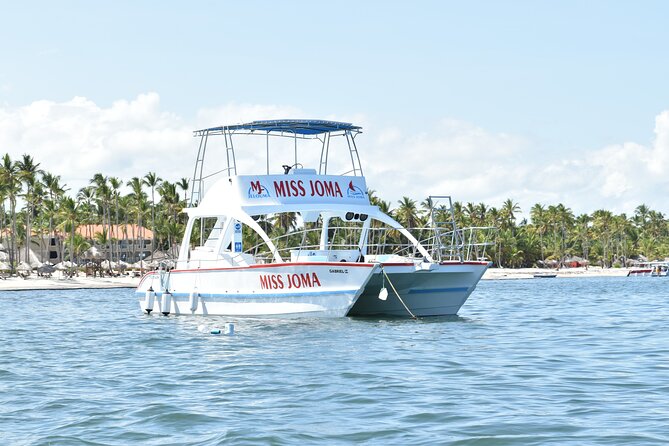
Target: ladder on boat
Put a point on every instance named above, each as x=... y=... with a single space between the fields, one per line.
x=197 y=184
x=445 y=230
x=353 y=151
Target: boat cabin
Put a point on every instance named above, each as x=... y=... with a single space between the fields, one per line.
x=229 y=224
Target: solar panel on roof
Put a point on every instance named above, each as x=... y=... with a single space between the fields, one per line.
x=297 y=126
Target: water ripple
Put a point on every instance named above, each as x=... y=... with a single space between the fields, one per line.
x=567 y=361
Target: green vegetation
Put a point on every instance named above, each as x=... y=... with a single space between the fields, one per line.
x=33 y=201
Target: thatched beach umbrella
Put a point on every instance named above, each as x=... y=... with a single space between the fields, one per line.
x=92 y=253
x=66 y=265
x=46 y=268
x=142 y=264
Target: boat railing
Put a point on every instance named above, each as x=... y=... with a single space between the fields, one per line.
x=319 y=132
x=466 y=244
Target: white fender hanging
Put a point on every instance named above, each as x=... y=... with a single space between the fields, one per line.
x=193 y=300
x=166 y=303
x=149 y=297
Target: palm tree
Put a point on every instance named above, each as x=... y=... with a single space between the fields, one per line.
x=641 y=216
x=171 y=205
x=560 y=219
x=38 y=216
x=538 y=216
x=428 y=206
x=9 y=175
x=508 y=213
x=602 y=221
x=407 y=213
x=566 y=219
x=503 y=235
x=86 y=202
x=28 y=171
x=657 y=224
x=469 y=213
x=55 y=191
x=459 y=214
x=139 y=203
x=69 y=212
x=125 y=203
x=582 y=233
x=286 y=221
x=103 y=194
x=152 y=180
x=183 y=185
x=115 y=185
x=3 y=197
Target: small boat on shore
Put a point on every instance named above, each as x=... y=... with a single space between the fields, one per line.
x=349 y=258
x=545 y=275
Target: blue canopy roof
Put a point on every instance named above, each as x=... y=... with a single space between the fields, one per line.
x=297 y=126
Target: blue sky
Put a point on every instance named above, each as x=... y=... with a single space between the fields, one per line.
x=532 y=87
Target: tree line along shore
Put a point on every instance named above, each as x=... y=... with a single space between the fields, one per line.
x=36 y=207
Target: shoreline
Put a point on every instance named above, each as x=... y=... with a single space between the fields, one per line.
x=528 y=273
x=74 y=283
x=66 y=283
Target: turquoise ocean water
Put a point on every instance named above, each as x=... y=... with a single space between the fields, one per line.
x=527 y=362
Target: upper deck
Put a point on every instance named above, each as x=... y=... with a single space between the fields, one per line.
x=287 y=127
x=295 y=139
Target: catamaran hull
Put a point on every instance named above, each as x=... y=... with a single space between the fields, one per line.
x=324 y=290
x=431 y=290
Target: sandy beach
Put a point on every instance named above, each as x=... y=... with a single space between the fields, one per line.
x=57 y=282
x=528 y=273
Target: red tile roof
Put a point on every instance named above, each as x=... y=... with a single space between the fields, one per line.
x=119 y=232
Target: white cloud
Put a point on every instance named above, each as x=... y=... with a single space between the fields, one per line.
x=78 y=138
x=659 y=156
x=239 y=113
x=453 y=158
x=471 y=164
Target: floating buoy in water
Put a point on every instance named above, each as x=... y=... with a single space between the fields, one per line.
x=166 y=303
x=229 y=329
x=193 y=301
x=148 y=300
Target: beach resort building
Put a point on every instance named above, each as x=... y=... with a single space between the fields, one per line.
x=127 y=242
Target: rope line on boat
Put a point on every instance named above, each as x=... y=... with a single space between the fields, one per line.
x=397 y=294
x=164 y=276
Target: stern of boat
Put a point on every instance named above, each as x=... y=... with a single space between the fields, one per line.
x=427 y=289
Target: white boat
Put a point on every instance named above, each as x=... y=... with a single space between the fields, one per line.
x=342 y=263
x=545 y=275
x=651 y=269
